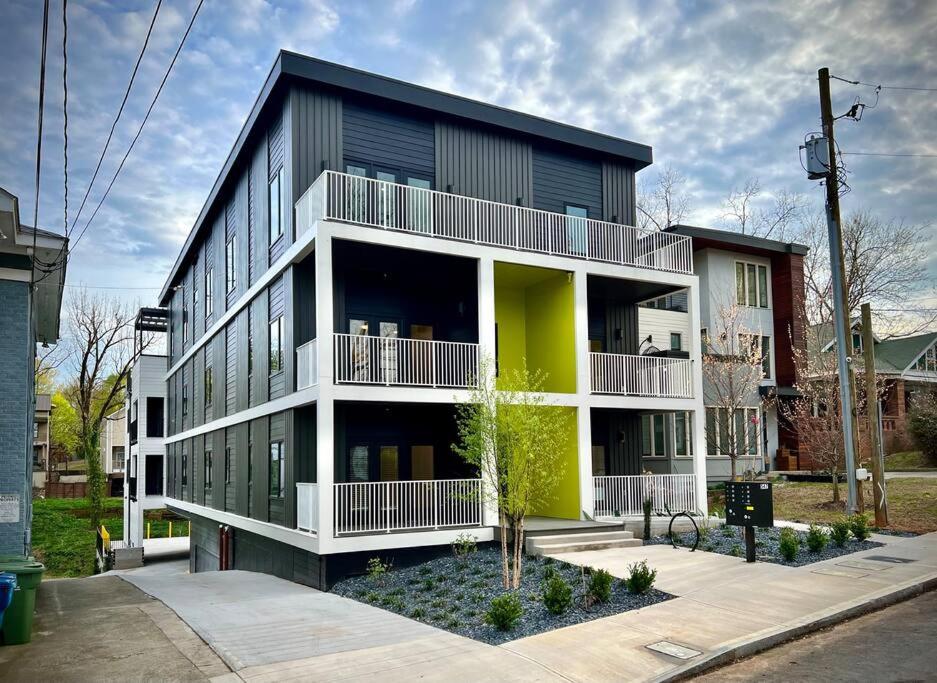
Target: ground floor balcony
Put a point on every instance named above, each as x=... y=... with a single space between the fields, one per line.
x=630 y=375
x=380 y=507
x=624 y=496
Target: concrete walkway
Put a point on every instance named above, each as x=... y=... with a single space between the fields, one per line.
x=922 y=474
x=267 y=629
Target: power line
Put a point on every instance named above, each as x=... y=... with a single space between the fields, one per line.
x=42 y=92
x=140 y=129
x=885 y=154
x=52 y=284
x=883 y=87
x=120 y=110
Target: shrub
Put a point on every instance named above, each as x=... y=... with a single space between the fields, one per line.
x=505 y=611
x=600 y=586
x=557 y=594
x=417 y=613
x=790 y=544
x=922 y=424
x=372 y=596
x=859 y=526
x=839 y=531
x=817 y=538
x=735 y=550
x=428 y=584
x=439 y=603
x=728 y=531
x=549 y=571
x=464 y=546
x=647 y=505
x=376 y=569
x=640 y=577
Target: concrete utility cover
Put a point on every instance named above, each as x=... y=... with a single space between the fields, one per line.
x=850 y=573
x=859 y=564
x=673 y=650
x=889 y=558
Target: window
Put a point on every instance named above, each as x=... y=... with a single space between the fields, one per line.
x=230 y=265
x=928 y=361
x=209 y=387
x=751 y=284
x=275 y=194
x=766 y=357
x=666 y=434
x=185 y=400
x=250 y=346
x=35 y=430
x=743 y=428
x=117 y=458
x=652 y=436
x=760 y=346
x=276 y=469
x=227 y=465
x=276 y=345
x=856 y=341
x=209 y=289
x=185 y=323
x=185 y=469
x=208 y=466
x=681 y=434
x=676 y=341
x=154 y=416
x=576 y=228
x=704 y=341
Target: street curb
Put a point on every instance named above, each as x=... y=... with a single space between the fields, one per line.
x=817 y=621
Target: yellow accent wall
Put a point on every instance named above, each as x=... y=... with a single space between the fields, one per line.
x=534 y=309
x=565 y=503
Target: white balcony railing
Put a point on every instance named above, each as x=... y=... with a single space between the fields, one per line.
x=307 y=364
x=623 y=496
x=391 y=206
x=361 y=359
x=386 y=506
x=615 y=373
x=307 y=507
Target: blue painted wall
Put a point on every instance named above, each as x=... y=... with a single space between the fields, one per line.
x=16 y=410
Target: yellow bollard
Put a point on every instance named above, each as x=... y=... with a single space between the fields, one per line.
x=147 y=529
x=170 y=528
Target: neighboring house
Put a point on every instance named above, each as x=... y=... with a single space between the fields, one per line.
x=367 y=242
x=905 y=365
x=113 y=448
x=765 y=278
x=30 y=307
x=41 y=451
x=146 y=400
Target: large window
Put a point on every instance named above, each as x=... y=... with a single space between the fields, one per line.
x=275 y=195
x=230 y=264
x=209 y=289
x=666 y=434
x=576 y=226
x=762 y=347
x=276 y=345
x=277 y=482
x=751 y=284
x=742 y=426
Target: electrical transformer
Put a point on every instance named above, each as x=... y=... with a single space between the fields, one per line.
x=818 y=157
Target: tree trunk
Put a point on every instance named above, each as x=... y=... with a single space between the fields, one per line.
x=518 y=552
x=835 y=478
x=88 y=448
x=732 y=459
x=505 y=566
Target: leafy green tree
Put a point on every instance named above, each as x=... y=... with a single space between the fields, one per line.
x=516 y=440
x=64 y=426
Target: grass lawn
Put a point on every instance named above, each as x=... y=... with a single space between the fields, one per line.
x=64 y=541
x=912 y=502
x=907 y=461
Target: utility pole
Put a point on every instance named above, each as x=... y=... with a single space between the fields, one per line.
x=872 y=408
x=840 y=305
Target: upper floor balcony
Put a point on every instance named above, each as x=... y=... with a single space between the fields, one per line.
x=392 y=206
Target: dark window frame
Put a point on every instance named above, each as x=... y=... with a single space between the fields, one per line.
x=277 y=474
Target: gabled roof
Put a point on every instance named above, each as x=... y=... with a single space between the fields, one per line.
x=293 y=67
x=901 y=353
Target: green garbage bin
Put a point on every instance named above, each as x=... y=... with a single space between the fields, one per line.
x=18 y=618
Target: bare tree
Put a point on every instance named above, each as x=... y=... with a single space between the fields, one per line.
x=101 y=351
x=733 y=367
x=664 y=202
x=886 y=265
x=743 y=211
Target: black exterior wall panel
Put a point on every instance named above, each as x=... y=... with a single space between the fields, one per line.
x=560 y=178
x=388 y=138
x=618 y=193
x=316 y=118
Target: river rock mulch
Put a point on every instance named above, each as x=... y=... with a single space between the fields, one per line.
x=730 y=540
x=454 y=595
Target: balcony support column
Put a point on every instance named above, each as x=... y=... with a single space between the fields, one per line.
x=698 y=415
x=583 y=387
x=486 y=351
x=325 y=419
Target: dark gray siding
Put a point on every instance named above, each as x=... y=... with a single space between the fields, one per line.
x=260 y=469
x=277 y=159
x=231 y=367
x=277 y=512
x=229 y=459
x=390 y=139
x=277 y=308
x=260 y=321
x=618 y=194
x=560 y=178
x=316 y=136
x=483 y=164
x=231 y=233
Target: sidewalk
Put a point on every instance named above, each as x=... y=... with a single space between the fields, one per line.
x=268 y=629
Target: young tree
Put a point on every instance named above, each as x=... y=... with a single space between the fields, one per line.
x=516 y=441
x=664 y=202
x=101 y=351
x=733 y=367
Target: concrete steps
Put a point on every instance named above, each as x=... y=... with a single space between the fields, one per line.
x=571 y=543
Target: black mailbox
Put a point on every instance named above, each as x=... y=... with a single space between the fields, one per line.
x=749 y=503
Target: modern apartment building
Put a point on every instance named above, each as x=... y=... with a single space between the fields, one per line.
x=41 y=434
x=366 y=244
x=762 y=280
x=146 y=462
x=113 y=449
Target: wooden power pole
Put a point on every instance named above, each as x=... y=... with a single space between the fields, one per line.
x=847 y=390
x=872 y=408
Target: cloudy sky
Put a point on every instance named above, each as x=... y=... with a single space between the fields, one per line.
x=722 y=91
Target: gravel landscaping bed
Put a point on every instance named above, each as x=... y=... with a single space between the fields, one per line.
x=730 y=540
x=454 y=595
